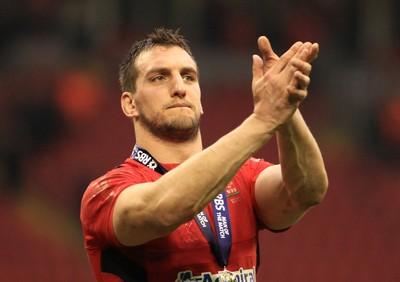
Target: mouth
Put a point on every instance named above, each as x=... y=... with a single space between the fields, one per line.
x=179 y=105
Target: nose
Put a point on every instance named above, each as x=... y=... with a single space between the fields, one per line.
x=178 y=87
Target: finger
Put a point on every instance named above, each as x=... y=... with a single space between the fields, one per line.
x=269 y=56
x=257 y=67
x=308 y=52
x=300 y=80
x=296 y=95
x=314 y=51
x=296 y=64
x=285 y=58
x=301 y=65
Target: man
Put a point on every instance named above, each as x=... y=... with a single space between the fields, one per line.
x=175 y=211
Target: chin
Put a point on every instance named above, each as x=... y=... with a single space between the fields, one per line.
x=182 y=123
x=182 y=129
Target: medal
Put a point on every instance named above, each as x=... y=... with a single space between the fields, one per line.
x=226 y=276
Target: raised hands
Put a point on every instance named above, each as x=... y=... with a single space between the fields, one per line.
x=280 y=83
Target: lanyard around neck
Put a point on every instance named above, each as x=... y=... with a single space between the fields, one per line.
x=221 y=243
x=145 y=158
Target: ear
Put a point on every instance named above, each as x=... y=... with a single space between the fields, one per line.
x=128 y=105
x=201 y=110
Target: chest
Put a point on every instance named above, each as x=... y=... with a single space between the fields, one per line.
x=189 y=236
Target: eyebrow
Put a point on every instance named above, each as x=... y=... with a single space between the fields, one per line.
x=164 y=70
x=189 y=70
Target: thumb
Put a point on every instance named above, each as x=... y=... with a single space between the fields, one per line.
x=257 y=67
x=269 y=55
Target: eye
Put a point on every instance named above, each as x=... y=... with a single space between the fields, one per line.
x=158 y=78
x=189 y=77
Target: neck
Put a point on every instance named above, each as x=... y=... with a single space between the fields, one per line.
x=165 y=151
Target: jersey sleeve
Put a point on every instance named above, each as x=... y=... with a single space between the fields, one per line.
x=252 y=169
x=98 y=204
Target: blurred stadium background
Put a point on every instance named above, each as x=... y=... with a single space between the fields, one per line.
x=61 y=126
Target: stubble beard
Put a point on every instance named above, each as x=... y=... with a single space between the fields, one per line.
x=176 y=129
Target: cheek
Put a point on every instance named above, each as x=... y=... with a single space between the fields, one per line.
x=200 y=105
x=147 y=100
x=145 y=106
x=196 y=96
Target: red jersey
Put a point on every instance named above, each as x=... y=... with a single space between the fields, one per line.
x=183 y=255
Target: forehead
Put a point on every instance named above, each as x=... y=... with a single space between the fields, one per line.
x=164 y=56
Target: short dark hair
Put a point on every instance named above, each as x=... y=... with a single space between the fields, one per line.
x=161 y=36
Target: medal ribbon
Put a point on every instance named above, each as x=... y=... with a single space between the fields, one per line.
x=220 y=246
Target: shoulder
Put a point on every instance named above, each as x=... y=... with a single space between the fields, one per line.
x=115 y=177
x=129 y=172
x=108 y=186
x=99 y=200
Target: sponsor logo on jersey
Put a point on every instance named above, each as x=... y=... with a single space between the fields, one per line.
x=231 y=190
x=233 y=193
x=242 y=275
